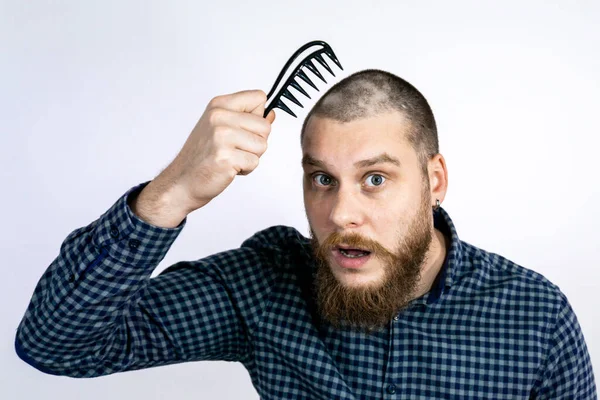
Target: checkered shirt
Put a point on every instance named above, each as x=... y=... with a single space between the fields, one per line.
x=488 y=329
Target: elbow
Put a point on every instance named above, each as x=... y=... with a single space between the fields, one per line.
x=30 y=354
x=23 y=355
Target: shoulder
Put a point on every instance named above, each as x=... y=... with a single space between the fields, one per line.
x=277 y=240
x=267 y=253
x=539 y=312
x=494 y=273
x=274 y=236
x=516 y=298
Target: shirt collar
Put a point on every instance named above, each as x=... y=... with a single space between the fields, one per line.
x=451 y=267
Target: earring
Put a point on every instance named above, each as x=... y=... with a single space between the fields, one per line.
x=437 y=205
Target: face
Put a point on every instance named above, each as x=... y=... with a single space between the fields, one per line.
x=381 y=206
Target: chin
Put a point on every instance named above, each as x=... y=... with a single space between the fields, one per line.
x=358 y=279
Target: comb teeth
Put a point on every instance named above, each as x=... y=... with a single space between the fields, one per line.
x=281 y=105
x=298 y=72
x=313 y=68
x=331 y=55
x=299 y=88
x=291 y=97
x=302 y=75
x=321 y=61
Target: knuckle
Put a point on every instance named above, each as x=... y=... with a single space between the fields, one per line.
x=266 y=126
x=221 y=158
x=260 y=95
x=215 y=115
x=261 y=127
x=215 y=101
x=251 y=163
x=221 y=132
x=263 y=146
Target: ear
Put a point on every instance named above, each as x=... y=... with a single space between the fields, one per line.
x=438 y=178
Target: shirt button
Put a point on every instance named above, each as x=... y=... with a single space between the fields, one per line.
x=396 y=318
x=114 y=232
x=72 y=278
x=391 y=389
x=134 y=243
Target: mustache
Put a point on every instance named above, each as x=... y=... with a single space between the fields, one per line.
x=352 y=240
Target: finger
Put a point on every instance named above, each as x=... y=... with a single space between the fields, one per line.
x=259 y=109
x=244 y=101
x=245 y=162
x=246 y=121
x=271 y=116
x=249 y=142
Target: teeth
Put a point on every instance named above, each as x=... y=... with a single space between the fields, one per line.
x=351 y=256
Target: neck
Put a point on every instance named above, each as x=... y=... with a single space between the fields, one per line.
x=433 y=263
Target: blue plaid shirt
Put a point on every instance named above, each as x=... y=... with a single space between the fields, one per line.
x=489 y=329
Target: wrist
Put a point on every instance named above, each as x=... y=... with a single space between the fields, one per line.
x=159 y=205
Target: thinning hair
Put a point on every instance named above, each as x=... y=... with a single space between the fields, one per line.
x=371 y=92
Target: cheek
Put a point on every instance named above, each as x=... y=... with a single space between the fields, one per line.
x=390 y=228
x=316 y=218
x=315 y=208
x=386 y=218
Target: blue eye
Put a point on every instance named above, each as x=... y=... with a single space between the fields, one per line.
x=378 y=181
x=325 y=182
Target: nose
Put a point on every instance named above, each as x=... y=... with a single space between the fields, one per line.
x=346 y=211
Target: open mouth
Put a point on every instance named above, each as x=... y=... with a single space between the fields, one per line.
x=353 y=253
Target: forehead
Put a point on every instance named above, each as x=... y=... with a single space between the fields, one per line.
x=337 y=142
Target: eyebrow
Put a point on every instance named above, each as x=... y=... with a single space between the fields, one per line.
x=380 y=159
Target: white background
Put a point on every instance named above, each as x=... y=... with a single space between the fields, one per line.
x=96 y=97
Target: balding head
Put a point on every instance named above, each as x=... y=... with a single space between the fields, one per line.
x=372 y=92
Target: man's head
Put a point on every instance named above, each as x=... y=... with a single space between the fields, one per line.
x=371 y=174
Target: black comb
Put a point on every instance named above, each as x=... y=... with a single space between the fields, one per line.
x=284 y=91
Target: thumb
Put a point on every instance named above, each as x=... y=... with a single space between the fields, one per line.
x=271 y=116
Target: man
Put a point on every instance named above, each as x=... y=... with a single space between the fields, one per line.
x=383 y=301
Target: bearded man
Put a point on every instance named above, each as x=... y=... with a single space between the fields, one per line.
x=382 y=301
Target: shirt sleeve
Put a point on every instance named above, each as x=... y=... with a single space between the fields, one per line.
x=96 y=311
x=568 y=373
